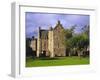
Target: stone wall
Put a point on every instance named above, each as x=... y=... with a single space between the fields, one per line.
x=50 y=43
x=59 y=48
x=34 y=44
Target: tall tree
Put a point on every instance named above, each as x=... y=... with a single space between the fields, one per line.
x=68 y=34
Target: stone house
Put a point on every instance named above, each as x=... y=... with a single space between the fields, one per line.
x=50 y=42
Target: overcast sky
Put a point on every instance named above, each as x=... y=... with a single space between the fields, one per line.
x=46 y=20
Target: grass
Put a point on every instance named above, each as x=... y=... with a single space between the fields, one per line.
x=57 y=61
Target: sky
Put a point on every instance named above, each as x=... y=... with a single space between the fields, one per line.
x=45 y=20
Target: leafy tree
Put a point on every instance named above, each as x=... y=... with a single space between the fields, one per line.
x=80 y=41
x=76 y=42
x=68 y=34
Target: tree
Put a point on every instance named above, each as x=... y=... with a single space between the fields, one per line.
x=77 y=42
x=68 y=34
x=28 y=48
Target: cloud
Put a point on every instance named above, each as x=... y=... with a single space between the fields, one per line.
x=46 y=20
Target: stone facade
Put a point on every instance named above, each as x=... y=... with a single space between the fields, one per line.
x=34 y=44
x=59 y=48
x=50 y=42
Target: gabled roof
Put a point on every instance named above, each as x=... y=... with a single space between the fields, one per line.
x=58 y=25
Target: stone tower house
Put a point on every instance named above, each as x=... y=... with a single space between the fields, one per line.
x=50 y=42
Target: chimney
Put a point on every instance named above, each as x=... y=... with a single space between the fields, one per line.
x=39 y=28
x=51 y=28
x=58 y=22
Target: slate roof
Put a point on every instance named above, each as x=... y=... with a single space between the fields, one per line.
x=44 y=34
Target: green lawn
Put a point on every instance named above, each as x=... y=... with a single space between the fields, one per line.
x=58 y=61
